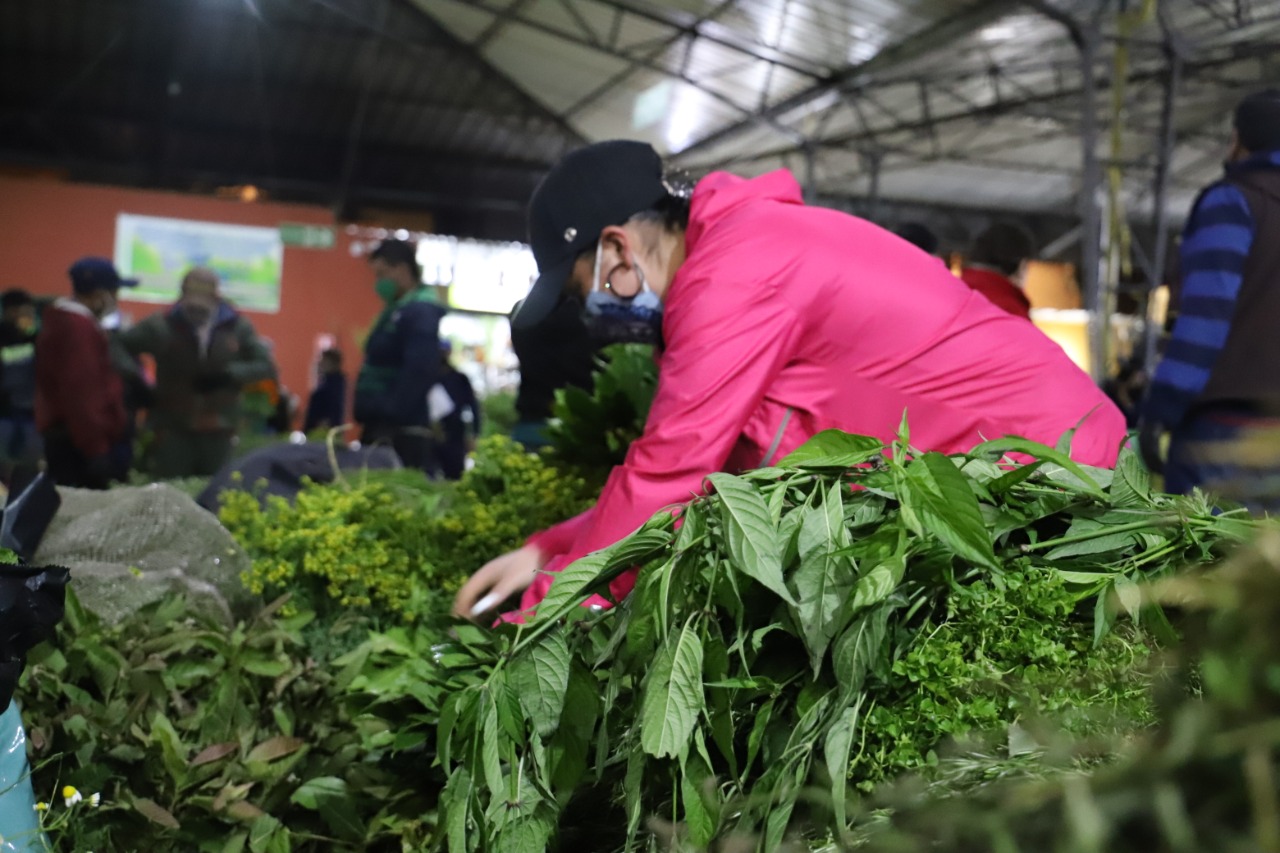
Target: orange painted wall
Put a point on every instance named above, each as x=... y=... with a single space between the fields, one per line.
x=46 y=225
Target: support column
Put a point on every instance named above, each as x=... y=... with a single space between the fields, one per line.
x=1160 y=213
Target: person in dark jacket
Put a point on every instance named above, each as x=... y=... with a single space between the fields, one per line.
x=19 y=441
x=459 y=424
x=205 y=352
x=401 y=358
x=995 y=260
x=79 y=397
x=327 y=405
x=1217 y=389
x=555 y=353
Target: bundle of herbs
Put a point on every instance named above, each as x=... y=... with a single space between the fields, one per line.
x=827 y=621
x=1204 y=778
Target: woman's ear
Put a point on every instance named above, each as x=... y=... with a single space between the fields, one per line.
x=615 y=241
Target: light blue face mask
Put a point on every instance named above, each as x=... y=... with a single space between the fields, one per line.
x=645 y=307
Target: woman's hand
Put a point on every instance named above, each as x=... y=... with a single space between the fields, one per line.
x=498 y=580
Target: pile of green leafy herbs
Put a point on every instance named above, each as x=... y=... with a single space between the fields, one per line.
x=394 y=546
x=774 y=623
x=1204 y=778
x=200 y=737
x=592 y=430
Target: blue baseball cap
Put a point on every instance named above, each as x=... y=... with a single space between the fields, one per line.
x=92 y=273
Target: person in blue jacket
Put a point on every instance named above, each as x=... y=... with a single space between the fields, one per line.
x=327 y=405
x=401 y=358
x=1217 y=389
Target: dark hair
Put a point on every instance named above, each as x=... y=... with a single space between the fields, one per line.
x=15 y=298
x=1003 y=246
x=334 y=355
x=398 y=253
x=919 y=236
x=671 y=212
x=1257 y=121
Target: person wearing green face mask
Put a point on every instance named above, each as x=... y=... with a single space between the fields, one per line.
x=401 y=358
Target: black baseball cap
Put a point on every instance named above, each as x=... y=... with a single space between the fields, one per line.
x=588 y=190
x=90 y=274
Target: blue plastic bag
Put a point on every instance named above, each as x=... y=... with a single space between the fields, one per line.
x=19 y=822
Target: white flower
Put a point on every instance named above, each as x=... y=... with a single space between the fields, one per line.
x=95 y=800
x=71 y=796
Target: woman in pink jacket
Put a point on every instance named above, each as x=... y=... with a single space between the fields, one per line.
x=778 y=321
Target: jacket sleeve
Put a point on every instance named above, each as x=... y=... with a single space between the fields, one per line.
x=1215 y=247
x=559 y=539
x=253 y=361
x=141 y=338
x=720 y=362
x=419 y=339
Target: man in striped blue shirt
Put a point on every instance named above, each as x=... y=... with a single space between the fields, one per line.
x=1217 y=390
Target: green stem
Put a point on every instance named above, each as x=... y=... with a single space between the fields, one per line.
x=1131 y=527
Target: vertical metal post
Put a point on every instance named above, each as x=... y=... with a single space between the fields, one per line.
x=1095 y=301
x=1160 y=213
x=810 y=175
x=872 y=160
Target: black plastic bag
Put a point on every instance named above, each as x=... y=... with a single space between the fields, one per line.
x=31 y=606
x=33 y=502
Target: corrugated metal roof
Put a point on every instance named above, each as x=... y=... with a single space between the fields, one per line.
x=466 y=102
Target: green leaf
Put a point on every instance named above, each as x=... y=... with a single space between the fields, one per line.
x=753 y=539
x=834 y=449
x=455 y=805
x=329 y=796
x=1131 y=485
x=1102 y=544
x=571 y=585
x=939 y=502
x=1003 y=446
x=879 y=583
x=673 y=695
x=836 y=751
x=858 y=650
x=824 y=579
x=263 y=832
x=490 y=759
x=540 y=677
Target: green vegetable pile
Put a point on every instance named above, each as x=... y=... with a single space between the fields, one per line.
x=393 y=545
x=781 y=629
x=1204 y=779
x=593 y=430
x=197 y=737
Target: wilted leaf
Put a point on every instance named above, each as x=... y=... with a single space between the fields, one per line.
x=155 y=813
x=213 y=753
x=276 y=747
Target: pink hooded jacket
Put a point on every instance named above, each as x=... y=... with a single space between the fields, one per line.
x=786 y=320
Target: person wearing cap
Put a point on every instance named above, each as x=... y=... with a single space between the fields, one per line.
x=79 y=405
x=401 y=358
x=205 y=353
x=1217 y=388
x=778 y=321
x=995 y=264
x=556 y=352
